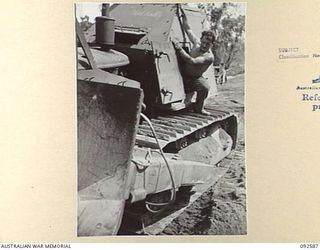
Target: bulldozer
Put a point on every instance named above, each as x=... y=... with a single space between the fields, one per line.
x=135 y=129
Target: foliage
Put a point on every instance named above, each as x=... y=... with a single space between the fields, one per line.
x=85 y=24
x=229 y=27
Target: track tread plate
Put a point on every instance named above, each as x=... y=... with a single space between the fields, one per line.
x=169 y=128
x=171 y=124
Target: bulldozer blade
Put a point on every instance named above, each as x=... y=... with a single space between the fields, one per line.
x=108 y=118
x=99 y=217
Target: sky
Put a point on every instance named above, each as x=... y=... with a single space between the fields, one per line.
x=90 y=9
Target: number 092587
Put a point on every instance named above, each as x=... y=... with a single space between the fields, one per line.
x=313 y=245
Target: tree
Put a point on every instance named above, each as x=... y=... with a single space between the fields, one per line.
x=85 y=24
x=229 y=27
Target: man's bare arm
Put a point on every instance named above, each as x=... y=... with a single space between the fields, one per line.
x=207 y=59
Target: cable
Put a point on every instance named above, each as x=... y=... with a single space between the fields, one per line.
x=173 y=189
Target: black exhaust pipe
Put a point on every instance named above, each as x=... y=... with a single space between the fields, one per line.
x=105 y=28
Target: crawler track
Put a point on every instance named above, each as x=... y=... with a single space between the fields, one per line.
x=178 y=130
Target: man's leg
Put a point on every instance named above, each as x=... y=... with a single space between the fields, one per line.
x=202 y=87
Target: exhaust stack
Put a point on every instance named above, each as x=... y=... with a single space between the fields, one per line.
x=105 y=27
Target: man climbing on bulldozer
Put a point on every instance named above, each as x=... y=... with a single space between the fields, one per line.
x=196 y=63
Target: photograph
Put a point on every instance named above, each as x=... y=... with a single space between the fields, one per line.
x=160 y=122
x=160 y=119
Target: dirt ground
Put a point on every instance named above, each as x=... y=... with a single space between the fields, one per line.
x=221 y=210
